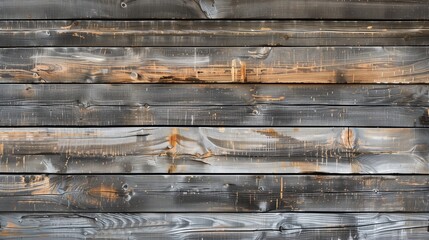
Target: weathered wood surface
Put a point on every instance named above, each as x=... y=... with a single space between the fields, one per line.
x=213 y=105
x=153 y=95
x=214 y=193
x=214 y=150
x=214 y=64
x=214 y=226
x=218 y=9
x=212 y=33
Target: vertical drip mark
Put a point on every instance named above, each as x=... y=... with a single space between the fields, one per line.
x=243 y=72
x=233 y=65
x=195 y=63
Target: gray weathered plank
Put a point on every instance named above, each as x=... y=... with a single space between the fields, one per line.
x=214 y=150
x=214 y=105
x=211 y=64
x=212 y=33
x=214 y=226
x=209 y=9
x=214 y=193
x=79 y=114
x=153 y=95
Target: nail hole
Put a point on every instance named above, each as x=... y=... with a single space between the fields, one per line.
x=255 y=112
x=134 y=75
x=123 y=5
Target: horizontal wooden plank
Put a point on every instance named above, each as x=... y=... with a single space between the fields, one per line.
x=213 y=193
x=214 y=226
x=214 y=105
x=212 y=33
x=153 y=95
x=219 y=9
x=215 y=64
x=260 y=115
x=214 y=150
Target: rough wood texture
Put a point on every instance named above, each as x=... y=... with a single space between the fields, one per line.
x=213 y=193
x=211 y=64
x=214 y=150
x=214 y=9
x=213 y=105
x=307 y=226
x=212 y=33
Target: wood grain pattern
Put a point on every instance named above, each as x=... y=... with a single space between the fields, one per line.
x=213 y=105
x=213 y=193
x=211 y=64
x=214 y=226
x=218 y=9
x=212 y=33
x=214 y=150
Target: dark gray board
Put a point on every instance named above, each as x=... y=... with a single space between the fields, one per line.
x=213 y=105
x=214 y=9
x=214 y=193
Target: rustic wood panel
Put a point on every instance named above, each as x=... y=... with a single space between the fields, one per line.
x=218 y=9
x=80 y=114
x=211 y=64
x=207 y=105
x=214 y=150
x=213 y=105
x=153 y=95
x=213 y=193
x=214 y=226
x=212 y=33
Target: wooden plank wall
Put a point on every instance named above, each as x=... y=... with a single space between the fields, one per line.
x=214 y=119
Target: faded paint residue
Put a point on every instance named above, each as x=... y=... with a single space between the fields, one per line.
x=267 y=98
x=9 y=230
x=356 y=168
x=269 y=133
x=172 y=168
x=173 y=138
x=105 y=192
x=305 y=167
x=348 y=138
x=243 y=71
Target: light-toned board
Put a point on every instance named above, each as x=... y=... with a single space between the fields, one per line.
x=307 y=226
x=214 y=150
x=215 y=64
x=212 y=33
